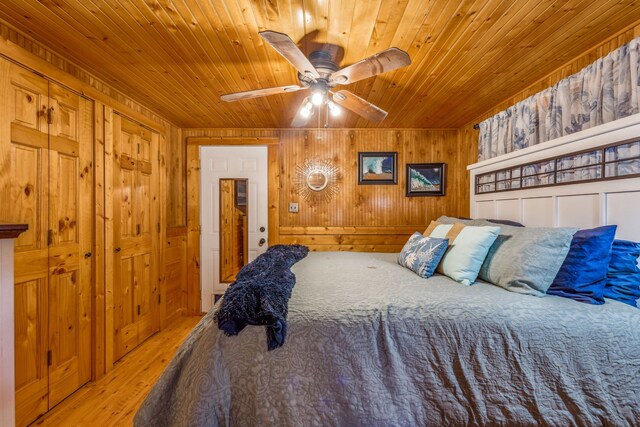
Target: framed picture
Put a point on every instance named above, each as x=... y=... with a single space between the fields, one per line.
x=378 y=168
x=425 y=179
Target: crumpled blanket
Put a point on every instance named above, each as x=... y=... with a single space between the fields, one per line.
x=260 y=295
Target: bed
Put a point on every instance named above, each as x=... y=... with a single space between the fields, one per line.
x=371 y=343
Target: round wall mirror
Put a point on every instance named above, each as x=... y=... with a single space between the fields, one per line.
x=317 y=180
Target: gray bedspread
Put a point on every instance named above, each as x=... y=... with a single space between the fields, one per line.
x=372 y=344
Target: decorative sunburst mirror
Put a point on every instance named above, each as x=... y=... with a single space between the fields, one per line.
x=317 y=179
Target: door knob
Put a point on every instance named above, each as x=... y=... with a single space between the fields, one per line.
x=118 y=250
x=262 y=242
x=262 y=229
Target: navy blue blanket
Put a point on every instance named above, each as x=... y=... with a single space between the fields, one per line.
x=260 y=295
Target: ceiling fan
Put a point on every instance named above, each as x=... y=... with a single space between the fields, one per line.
x=320 y=74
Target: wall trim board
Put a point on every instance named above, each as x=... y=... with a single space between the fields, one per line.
x=99 y=308
x=109 y=266
x=241 y=140
x=197 y=131
x=390 y=230
x=356 y=248
x=193 y=205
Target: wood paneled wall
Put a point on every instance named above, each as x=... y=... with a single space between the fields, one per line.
x=361 y=217
x=367 y=217
x=176 y=179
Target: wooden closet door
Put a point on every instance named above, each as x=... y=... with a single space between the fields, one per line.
x=46 y=182
x=24 y=194
x=70 y=221
x=135 y=293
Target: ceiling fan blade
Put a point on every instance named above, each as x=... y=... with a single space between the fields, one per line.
x=288 y=49
x=379 y=63
x=250 y=94
x=359 y=106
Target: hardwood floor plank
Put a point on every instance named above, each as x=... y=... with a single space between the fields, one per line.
x=115 y=398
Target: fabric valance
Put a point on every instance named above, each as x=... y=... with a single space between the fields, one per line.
x=606 y=90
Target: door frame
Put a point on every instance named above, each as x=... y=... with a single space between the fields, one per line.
x=193 y=203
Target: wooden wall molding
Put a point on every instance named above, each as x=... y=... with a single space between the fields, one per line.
x=98 y=367
x=392 y=230
x=241 y=140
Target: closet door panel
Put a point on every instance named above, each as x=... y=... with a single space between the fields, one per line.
x=32 y=382
x=148 y=219
x=27 y=196
x=125 y=200
x=64 y=339
x=46 y=182
x=143 y=206
x=146 y=297
x=126 y=332
x=70 y=221
x=24 y=195
x=136 y=313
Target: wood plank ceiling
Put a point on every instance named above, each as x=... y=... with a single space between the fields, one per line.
x=178 y=56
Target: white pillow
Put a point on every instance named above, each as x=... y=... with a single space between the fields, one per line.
x=466 y=253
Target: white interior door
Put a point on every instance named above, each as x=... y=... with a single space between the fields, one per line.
x=230 y=162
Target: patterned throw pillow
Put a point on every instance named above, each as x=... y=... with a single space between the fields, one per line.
x=422 y=254
x=468 y=247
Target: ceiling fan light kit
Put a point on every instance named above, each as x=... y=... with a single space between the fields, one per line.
x=321 y=74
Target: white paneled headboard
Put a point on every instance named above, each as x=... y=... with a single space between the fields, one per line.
x=523 y=185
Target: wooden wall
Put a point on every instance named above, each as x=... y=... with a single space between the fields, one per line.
x=367 y=217
x=361 y=217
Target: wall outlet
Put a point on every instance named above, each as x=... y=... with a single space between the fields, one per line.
x=293 y=207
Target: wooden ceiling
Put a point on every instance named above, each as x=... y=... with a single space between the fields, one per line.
x=178 y=56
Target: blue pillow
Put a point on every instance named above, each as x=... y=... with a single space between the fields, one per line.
x=583 y=274
x=422 y=254
x=623 y=278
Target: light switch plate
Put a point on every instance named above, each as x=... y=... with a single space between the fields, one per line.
x=293 y=207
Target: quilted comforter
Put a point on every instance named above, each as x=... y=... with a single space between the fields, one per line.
x=372 y=344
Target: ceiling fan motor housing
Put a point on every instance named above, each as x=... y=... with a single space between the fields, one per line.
x=323 y=64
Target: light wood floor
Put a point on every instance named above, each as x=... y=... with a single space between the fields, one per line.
x=114 y=399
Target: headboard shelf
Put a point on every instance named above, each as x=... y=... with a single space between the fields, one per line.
x=612 y=161
x=585 y=179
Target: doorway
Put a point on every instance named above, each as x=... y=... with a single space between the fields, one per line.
x=245 y=169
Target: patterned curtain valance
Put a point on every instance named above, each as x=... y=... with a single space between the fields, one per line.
x=606 y=90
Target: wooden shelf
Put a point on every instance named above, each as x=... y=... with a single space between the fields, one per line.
x=11 y=231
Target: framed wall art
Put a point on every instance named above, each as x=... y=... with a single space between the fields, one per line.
x=378 y=168
x=425 y=179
